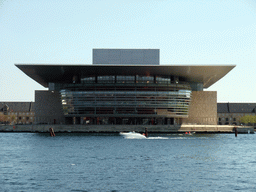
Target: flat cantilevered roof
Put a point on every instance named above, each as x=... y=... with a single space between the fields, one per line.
x=45 y=74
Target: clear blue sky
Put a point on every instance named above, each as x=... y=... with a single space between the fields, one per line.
x=194 y=32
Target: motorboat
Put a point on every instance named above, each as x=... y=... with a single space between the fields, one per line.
x=189 y=133
x=132 y=135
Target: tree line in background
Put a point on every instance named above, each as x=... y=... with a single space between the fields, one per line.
x=248 y=119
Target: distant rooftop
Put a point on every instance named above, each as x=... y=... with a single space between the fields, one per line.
x=236 y=107
x=18 y=106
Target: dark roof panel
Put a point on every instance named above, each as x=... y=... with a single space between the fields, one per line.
x=222 y=108
x=236 y=107
x=44 y=74
x=18 y=106
x=242 y=107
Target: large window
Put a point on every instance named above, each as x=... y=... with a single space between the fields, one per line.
x=129 y=102
x=163 y=80
x=88 y=79
x=144 y=79
x=132 y=95
x=105 y=79
x=125 y=79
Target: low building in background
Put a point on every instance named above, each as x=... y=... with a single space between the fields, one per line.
x=231 y=113
x=126 y=86
x=17 y=112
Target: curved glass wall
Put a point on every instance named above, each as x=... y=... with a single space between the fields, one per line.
x=130 y=96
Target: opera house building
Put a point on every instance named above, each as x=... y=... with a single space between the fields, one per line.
x=126 y=86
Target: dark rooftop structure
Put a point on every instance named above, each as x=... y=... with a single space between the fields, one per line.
x=44 y=74
x=18 y=106
x=236 y=107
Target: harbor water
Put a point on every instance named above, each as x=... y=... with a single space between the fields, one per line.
x=108 y=162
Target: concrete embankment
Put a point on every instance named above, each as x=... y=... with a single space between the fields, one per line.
x=120 y=128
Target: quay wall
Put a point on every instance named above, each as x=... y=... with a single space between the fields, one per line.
x=123 y=128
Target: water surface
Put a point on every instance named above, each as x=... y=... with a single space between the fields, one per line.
x=102 y=162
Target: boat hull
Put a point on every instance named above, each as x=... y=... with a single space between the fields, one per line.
x=132 y=135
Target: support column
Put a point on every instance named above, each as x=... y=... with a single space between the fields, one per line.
x=76 y=120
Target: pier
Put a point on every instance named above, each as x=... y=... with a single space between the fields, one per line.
x=119 y=128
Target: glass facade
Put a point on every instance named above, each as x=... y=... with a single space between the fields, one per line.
x=126 y=99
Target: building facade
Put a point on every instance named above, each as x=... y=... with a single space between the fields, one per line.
x=126 y=86
x=17 y=112
x=231 y=113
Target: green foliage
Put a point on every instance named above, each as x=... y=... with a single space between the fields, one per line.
x=248 y=119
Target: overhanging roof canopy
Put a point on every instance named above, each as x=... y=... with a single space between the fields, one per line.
x=44 y=74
